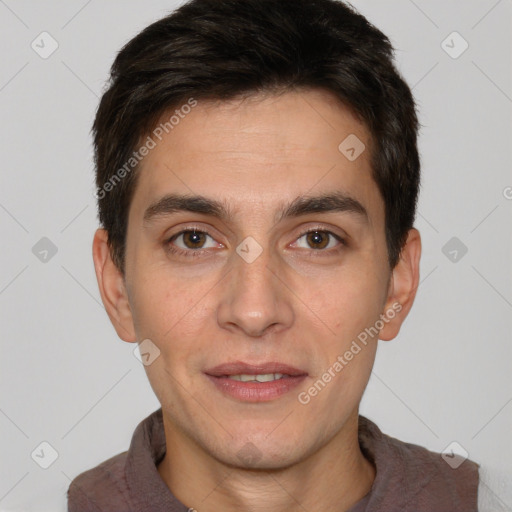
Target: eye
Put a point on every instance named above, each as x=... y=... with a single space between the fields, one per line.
x=192 y=239
x=191 y=242
x=319 y=240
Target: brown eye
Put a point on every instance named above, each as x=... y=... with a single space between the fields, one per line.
x=194 y=239
x=317 y=239
x=191 y=241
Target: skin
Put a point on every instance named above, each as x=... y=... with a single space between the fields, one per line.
x=296 y=303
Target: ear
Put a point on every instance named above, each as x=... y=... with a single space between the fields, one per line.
x=403 y=284
x=112 y=288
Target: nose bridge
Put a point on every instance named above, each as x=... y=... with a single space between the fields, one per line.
x=254 y=299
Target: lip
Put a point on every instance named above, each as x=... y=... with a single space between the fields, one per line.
x=255 y=391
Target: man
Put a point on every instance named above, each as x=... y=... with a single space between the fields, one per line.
x=258 y=173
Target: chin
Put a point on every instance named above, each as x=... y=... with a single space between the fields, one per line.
x=262 y=454
x=257 y=461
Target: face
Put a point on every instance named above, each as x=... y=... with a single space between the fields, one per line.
x=257 y=278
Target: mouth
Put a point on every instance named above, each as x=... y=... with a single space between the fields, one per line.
x=255 y=383
x=265 y=377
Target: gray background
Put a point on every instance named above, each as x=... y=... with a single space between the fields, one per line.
x=68 y=380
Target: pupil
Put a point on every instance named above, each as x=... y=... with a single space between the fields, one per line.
x=318 y=238
x=194 y=238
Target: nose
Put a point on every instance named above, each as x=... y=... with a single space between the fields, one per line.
x=255 y=301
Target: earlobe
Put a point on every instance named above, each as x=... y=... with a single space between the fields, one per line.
x=112 y=288
x=403 y=286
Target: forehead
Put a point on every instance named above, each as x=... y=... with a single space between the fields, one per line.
x=260 y=151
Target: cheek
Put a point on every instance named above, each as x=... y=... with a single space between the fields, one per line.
x=151 y=306
x=175 y=315
x=350 y=301
x=348 y=355
x=160 y=302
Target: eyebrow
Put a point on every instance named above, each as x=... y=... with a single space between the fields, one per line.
x=300 y=206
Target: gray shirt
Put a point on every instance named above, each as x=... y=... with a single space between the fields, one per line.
x=408 y=477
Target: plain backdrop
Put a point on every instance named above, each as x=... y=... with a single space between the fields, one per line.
x=67 y=380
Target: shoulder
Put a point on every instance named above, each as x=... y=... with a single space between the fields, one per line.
x=455 y=474
x=413 y=475
x=418 y=458
x=450 y=481
x=100 y=488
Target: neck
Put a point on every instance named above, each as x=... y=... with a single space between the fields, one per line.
x=334 y=477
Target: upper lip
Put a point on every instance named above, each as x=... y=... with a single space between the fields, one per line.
x=241 y=368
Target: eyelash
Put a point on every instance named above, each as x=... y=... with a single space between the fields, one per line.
x=191 y=253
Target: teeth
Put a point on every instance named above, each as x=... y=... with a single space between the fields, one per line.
x=267 y=377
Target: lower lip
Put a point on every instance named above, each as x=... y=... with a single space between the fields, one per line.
x=256 y=391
